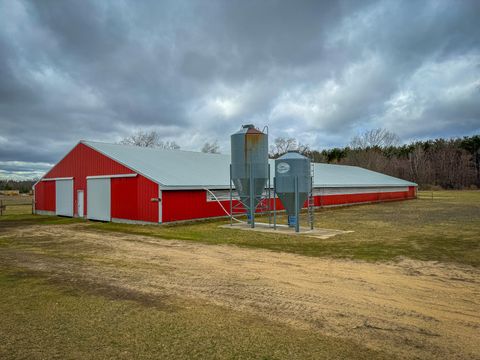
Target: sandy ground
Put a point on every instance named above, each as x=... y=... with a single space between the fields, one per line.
x=412 y=309
x=285 y=230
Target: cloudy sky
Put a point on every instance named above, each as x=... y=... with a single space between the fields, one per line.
x=320 y=71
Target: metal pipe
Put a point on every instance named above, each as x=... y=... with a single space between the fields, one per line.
x=297 y=220
x=231 y=202
x=269 y=199
x=312 y=220
x=252 y=198
x=274 y=204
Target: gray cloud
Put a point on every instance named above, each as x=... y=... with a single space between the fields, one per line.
x=193 y=70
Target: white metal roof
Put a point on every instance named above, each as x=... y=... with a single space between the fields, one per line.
x=179 y=169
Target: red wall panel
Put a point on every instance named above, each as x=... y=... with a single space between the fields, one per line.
x=83 y=161
x=192 y=204
x=45 y=196
x=131 y=199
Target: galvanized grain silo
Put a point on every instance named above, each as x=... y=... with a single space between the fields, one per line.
x=249 y=167
x=293 y=184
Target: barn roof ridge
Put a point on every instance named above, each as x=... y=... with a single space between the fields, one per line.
x=148 y=148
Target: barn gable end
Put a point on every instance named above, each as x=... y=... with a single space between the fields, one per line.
x=82 y=162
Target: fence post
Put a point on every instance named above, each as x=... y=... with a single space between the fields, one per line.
x=1 y=207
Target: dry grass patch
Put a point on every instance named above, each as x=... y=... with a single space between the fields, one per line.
x=45 y=319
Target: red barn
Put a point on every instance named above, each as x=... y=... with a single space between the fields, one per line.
x=124 y=183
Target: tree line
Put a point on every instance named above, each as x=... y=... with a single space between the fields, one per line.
x=440 y=163
x=24 y=186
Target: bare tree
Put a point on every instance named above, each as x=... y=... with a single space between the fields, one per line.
x=149 y=139
x=381 y=138
x=168 y=145
x=211 y=148
x=282 y=145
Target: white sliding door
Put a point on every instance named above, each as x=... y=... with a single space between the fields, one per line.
x=98 y=199
x=64 y=197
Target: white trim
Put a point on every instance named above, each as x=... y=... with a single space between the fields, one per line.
x=111 y=176
x=197 y=187
x=58 y=178
x=160 y=205
x=357 y=190
x=341 y=186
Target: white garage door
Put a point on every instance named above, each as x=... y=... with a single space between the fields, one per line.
x=64 y=197
x=98 y=199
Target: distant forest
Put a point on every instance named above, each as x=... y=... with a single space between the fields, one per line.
x=432 y=164
x=25 y=186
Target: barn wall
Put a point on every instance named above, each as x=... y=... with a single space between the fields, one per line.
x=45 y=196
x=131 y=199
x=181 y=205
x=130 y=196
x=344 y=199
x=189 y=204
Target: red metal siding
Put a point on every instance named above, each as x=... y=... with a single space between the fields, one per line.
x=45 y=196
x=131 y=199
x=83 y=161
x=193 y=204
x=412 y=192
x=343 y=199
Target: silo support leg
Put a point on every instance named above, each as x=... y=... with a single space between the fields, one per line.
x=252 y=198
x=297 y=205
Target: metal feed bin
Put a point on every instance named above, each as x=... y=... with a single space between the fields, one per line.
x=249 y=168
x=293 y=184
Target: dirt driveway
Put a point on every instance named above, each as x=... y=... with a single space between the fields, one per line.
x=411 y=309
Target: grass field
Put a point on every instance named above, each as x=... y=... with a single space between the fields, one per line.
x=445 y=228
x=76 y=289
x=15 y=205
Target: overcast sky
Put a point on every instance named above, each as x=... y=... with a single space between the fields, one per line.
x=320 y=71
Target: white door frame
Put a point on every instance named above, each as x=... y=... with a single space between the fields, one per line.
x=160 y=205
x=81 y=201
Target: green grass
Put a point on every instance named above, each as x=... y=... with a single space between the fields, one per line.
x=41 y=319
x=19 y=204
x=443 y=228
